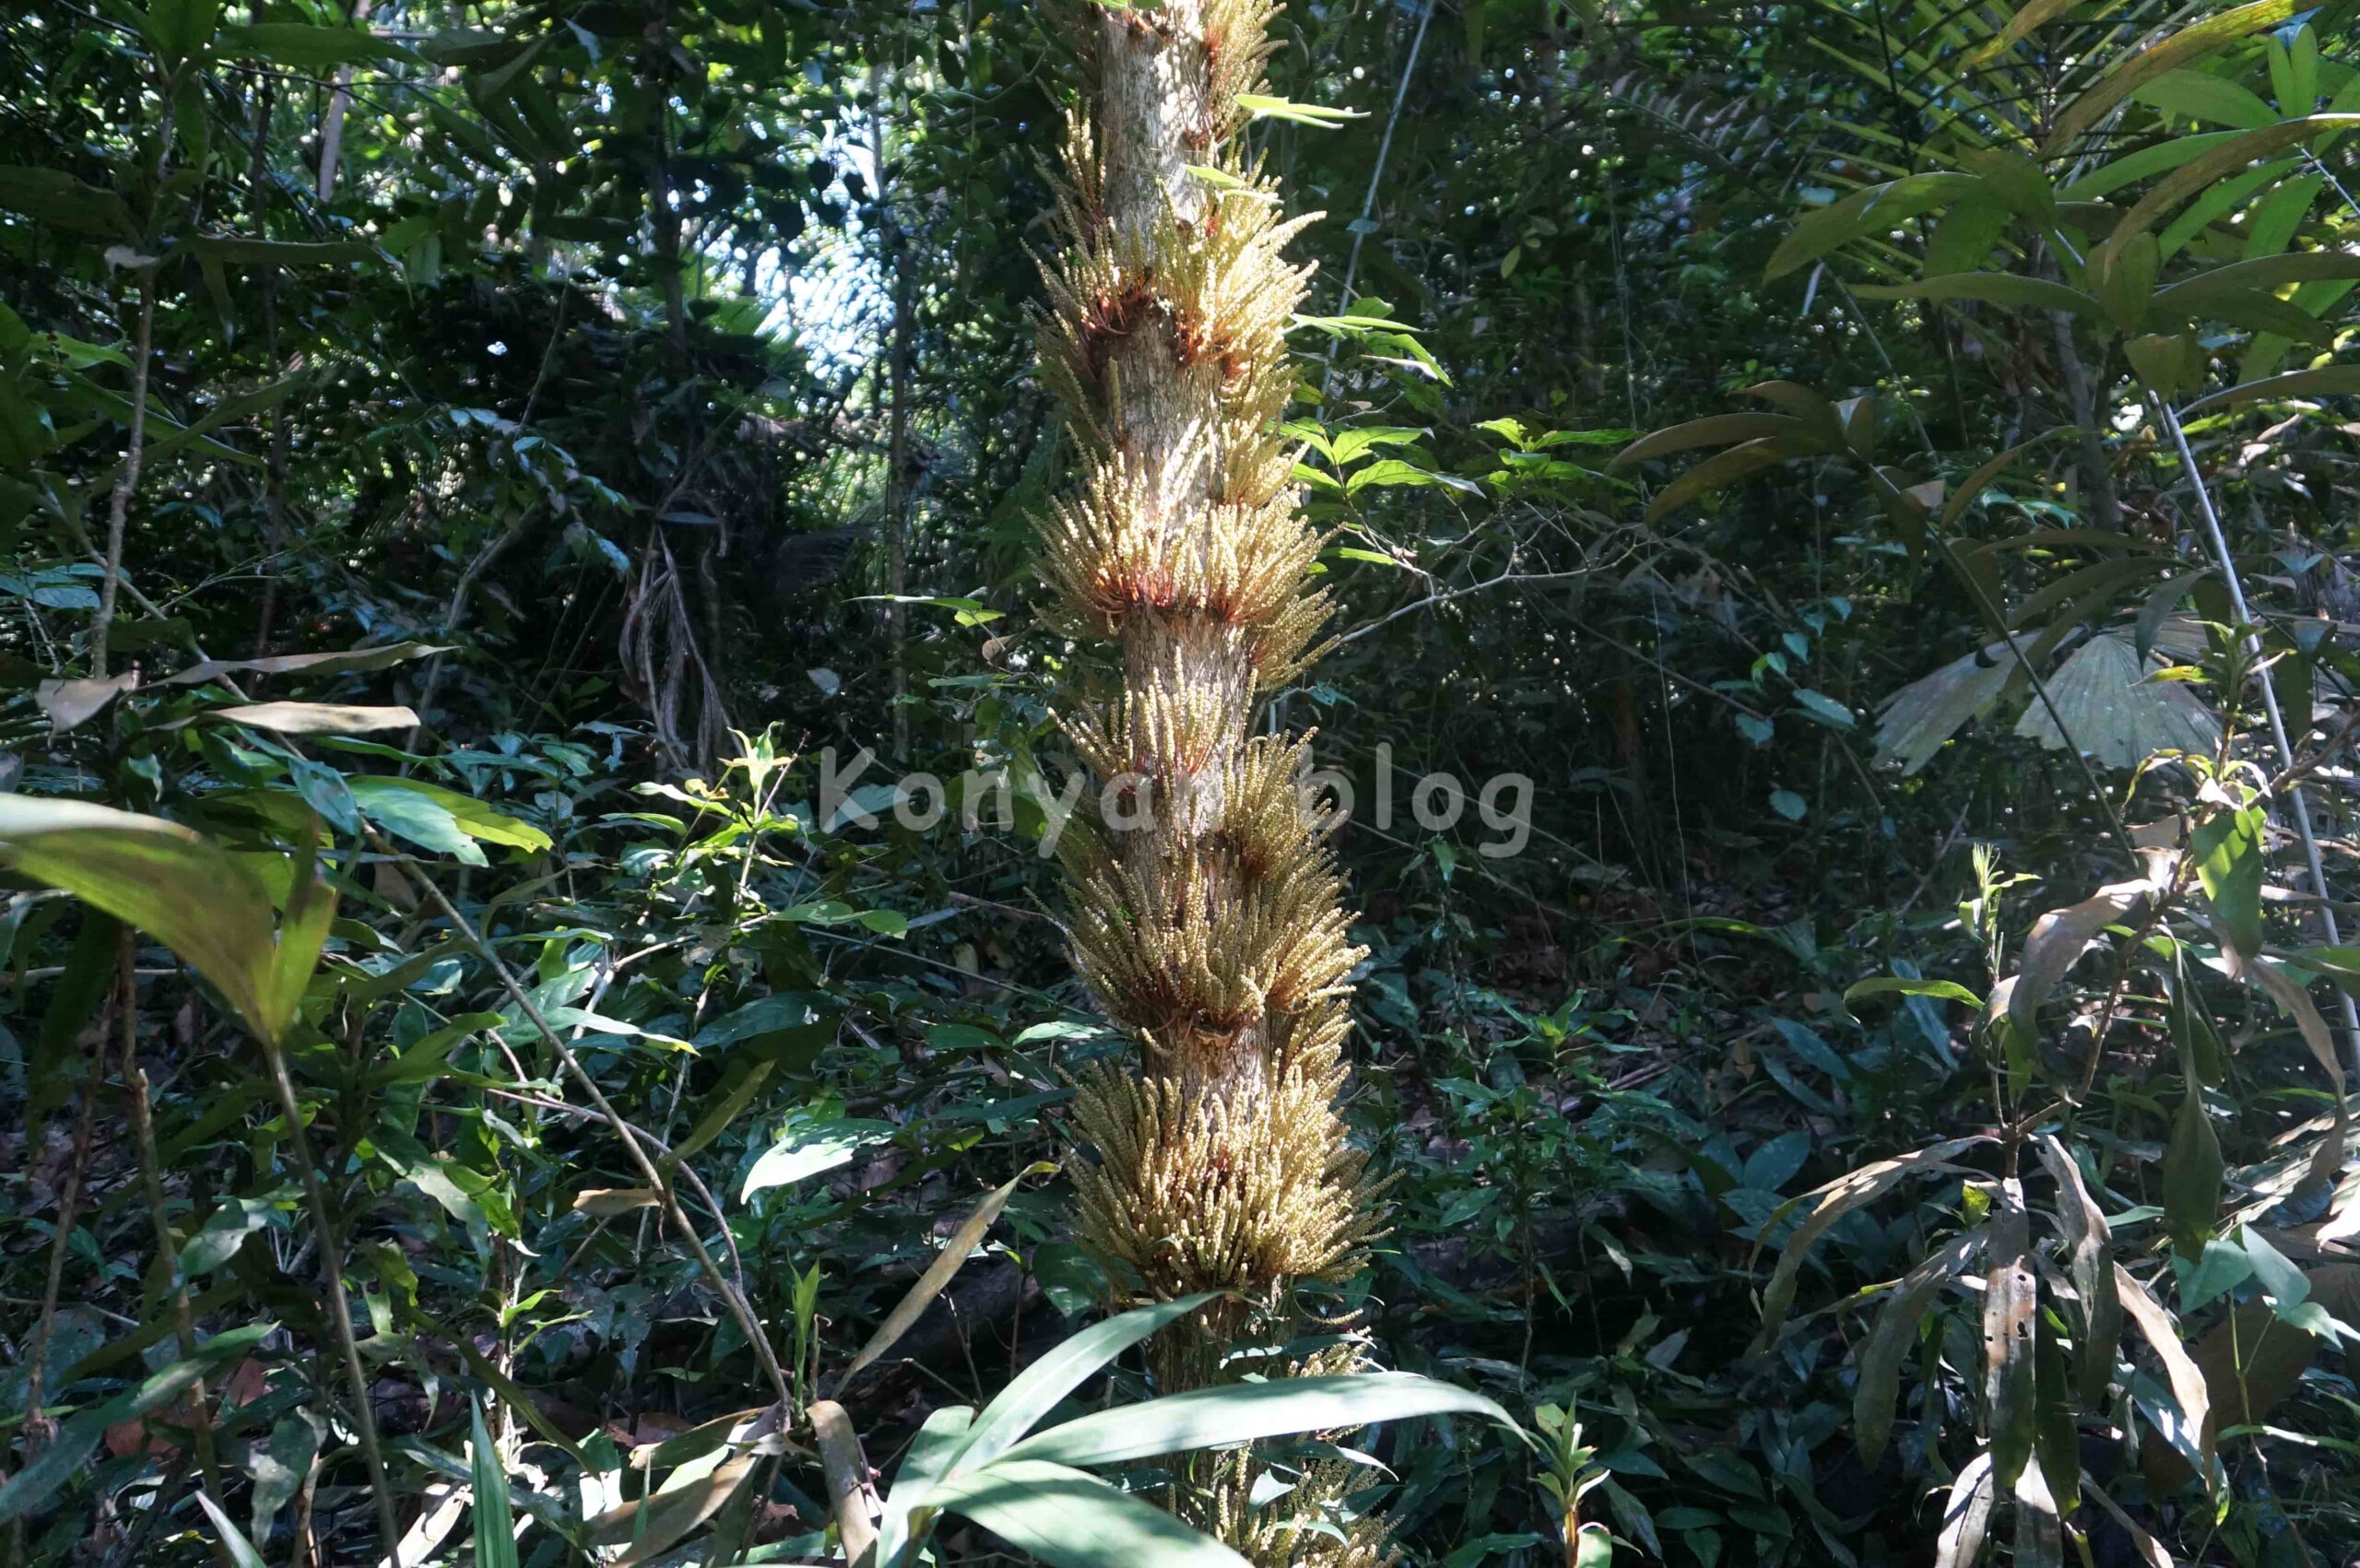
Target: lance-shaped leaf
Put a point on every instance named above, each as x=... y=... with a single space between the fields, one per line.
x=1038 y=1388
x=2011 y=1296
x=2040 y=1534
x=1864 y=212
x=2194 y=1434
x=1995 y=288
x=1719 y=430
x=2326 y=381
x=193 y=896
x=2057 y=942
x=495 y=1511
x=2189 y=45
x=2091 y=1264
x=2228 y=849
x=913 y=1304
x=1878 y=1384
x=2219 y=162
x=2260 y=272
x=1967 y=1515
x=317 y=718
x=2152 y=1552
x=346 y=663
x=1071 y=1519
x=1829 y=1202
x=1717 y=472
x=1205 y=1418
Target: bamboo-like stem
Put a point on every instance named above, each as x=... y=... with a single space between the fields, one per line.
x=331 y=1249
x=127 y=480
x=2297 y=799
x=168 y=1256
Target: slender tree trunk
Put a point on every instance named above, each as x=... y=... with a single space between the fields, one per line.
x=897 y=484
x=1206 y=903
x=2097 y=475
x=332 y=122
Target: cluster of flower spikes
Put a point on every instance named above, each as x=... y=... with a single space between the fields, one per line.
x=1207 y=916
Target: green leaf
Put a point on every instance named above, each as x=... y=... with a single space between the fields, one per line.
x=196 y=899
x=1877 y=1382
x=308 y=48
x=1264 y=107
x=1863 y=212
x=495 y=1515
x=1998 y=288
x=1894 y=984
x=1825 y=709
x=2219 y=162
x=947 y=1262
x=413 y=815
x=2192 y=1172
x=1205 y=1418
x=469 y=816
x=218 y=1239
x=242 y=1551
x=2196 y=96
x=80 y=1434
x=2327 y=381
x=808 y=1150
x=56 y=197
x=179 y=30
x=1069 y=1519
x=2189 y=45
x=2229 y=863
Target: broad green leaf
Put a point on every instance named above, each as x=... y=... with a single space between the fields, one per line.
x=179 y=30
x=1893 y=985
x=2190 y=43
x=1997 y=287
x=948 y=1262
x=56 y=197
x=2228 y=851
x=413 y=815
x=1864 y=212
x=233 y=1539
x=193 y=897
x=75 y=1439
x=1037 y=1390
x=2220 y=162
x=1069 y=1519
x=308 y=48
x=1205 y=1418
x=473 y=818
x=2196 y=96
x=1877 y=1379
x=2010 y=1298
x=495 y=1515
x=1831 y=1201
x=808 y=1150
